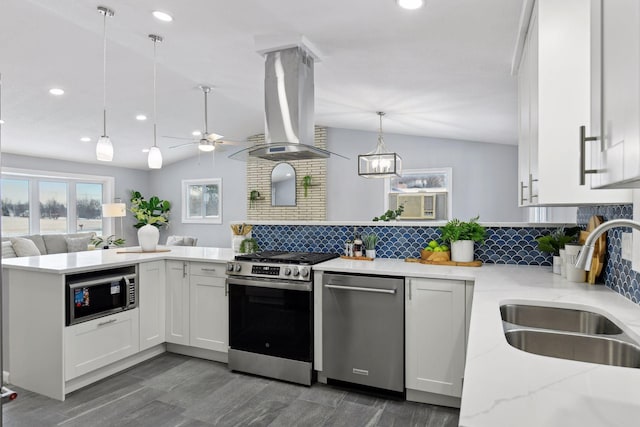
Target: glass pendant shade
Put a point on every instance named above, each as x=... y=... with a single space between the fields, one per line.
x=380 y=163
x=104 y=149
x=155 y=158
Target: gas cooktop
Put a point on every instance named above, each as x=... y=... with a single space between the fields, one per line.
x=282 y=257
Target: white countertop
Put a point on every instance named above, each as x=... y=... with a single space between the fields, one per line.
x=504 y=386
x=99 y=259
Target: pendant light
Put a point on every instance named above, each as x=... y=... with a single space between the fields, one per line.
x=104 y=147
x=155 y=156
x=380 y=163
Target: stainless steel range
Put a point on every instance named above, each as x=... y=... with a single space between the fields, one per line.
x=271 y=314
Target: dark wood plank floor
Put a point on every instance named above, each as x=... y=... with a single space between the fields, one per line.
x=174 y=390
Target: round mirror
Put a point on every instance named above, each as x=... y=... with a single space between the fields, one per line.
x=283 y=185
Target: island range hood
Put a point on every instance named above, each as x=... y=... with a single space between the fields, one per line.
x=289 y=108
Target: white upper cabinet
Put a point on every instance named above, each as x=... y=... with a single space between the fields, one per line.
x=554 y=95
x=615 y=103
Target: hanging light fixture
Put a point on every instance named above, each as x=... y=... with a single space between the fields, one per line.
x=380 y=163
x=104 y=147
x=155 y=156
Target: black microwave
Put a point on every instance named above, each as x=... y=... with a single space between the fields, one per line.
x=96 y=294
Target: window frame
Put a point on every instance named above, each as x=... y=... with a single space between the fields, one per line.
x=71 y=179
x=448 y=189
x=186 y=183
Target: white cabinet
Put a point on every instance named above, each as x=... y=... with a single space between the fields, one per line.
x=615 y=104
x=435 y=335
x=209 y=307
x=177 y=307
x=554 y=92
x=99 y=342
x=151 y=303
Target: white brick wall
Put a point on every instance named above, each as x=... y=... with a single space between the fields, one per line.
x=312 y=208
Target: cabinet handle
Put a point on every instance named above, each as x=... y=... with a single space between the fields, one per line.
x=184 y=269
x=583 y=158
x=522 y=187
x=409 y=289
x=226 y=289
x=107 y=322
x=208 y=269
x=531 y=181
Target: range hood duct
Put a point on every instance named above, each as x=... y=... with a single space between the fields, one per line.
x=289 y=109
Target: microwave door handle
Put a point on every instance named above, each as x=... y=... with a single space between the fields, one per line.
x=99 y=281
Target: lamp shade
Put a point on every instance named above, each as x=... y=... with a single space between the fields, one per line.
x=114 y=210
x=104 y=149
x=379 y=165
x=155 y=158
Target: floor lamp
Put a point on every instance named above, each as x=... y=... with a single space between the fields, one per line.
x=115 y=210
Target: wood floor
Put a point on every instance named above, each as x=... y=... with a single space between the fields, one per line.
x=174 y=390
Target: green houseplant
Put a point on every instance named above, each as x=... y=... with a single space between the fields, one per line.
x=461 y=236
x=106 y=242
x=306 y=183
x=390 y=214
x=153 y=211
x=370 y=241
x=553 y=243
x=249 y=246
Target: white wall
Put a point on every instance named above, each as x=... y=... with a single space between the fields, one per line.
x=125 y=180
x=485 y=176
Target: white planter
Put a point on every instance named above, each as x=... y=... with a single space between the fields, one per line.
x=148 y=237
x=370 y=253
x=557 y=264
x=462 y=251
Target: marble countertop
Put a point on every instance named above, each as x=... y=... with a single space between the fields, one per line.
x=504 y=386
x=98 y=259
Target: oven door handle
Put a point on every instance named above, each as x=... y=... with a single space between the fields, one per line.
x=360 y=289
x=271 y=283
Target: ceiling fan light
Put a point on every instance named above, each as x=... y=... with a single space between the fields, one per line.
x=104 y=149
x=207 y=146
x=410 y=4
x=154 y=160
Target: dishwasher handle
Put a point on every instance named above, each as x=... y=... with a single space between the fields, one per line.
x=361 y=289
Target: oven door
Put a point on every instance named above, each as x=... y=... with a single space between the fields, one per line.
x=271 y=317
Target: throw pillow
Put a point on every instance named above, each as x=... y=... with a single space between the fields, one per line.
x=175 y=241
x=7 y=250
x=77 y=244
x=24 y=247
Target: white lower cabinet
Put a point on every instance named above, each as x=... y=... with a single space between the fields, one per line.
x=99 y=342
x=209 y=308
x=435 y=335
x=151 y=303
x=177 y=307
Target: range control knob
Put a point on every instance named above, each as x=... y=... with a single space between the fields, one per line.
x=287 y=271
x=237 y=268
x=296 y=272
x=304 y=271
x=229 y=266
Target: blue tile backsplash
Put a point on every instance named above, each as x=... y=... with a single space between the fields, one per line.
x=504 y=245
x=618 y=274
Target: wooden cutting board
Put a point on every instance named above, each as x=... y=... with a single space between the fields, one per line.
x=600 y=248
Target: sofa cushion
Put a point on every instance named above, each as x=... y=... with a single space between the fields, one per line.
x=77 y=244
x=24 y=247
x=7 y=250
x=39 y=241
x=55 y=243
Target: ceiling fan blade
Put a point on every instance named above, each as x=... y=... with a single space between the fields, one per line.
x=228 y=143
x=213 y=136
x=177 y=137
x=184 y=145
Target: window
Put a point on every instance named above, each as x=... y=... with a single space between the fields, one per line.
x=37 y=202
x=424 y=193
x=202 y=201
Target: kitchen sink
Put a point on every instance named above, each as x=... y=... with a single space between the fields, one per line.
x=559 y=319
x=584 y=348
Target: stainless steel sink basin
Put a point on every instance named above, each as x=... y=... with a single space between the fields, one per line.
x=584 y=348
x=559 y=319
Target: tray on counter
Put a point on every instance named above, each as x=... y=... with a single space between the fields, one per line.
x=476 y=263
x=357 y=258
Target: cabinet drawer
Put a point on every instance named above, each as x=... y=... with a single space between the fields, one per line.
x=207 y=269
x=99 y=342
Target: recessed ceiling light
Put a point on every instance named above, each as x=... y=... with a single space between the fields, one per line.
x=85 y=139
x=145 y=150
x=410 y=4
x=162 y=16
x=141 y=117
x=56 y=91
x=196 y=133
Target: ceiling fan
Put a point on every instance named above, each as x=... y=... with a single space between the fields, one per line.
x=208 y=141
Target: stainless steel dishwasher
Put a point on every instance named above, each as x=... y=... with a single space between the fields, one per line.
x=363 y=330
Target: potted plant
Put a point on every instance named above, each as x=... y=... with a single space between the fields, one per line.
x=555 y=242
x=151 y=215
x=249 y=246
x=107 y=242
x=461 y=237
x=253 y=196
x=369 y=241
x=390 y=215
x=306 y=183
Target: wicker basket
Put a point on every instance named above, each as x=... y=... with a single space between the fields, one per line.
x=435 y=256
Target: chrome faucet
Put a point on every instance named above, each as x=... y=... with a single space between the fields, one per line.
x=586 y=252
